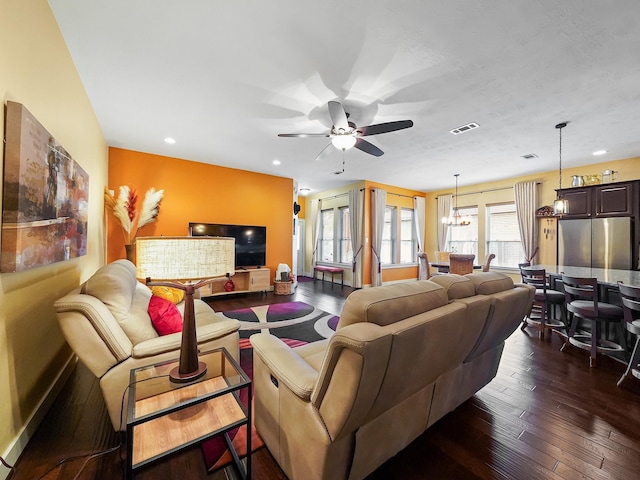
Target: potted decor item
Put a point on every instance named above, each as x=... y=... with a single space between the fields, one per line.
x=132 y=219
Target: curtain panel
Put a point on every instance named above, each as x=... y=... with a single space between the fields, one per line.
x=356 y=223
x=444 y=211
x=378 y=207
x=526 y=199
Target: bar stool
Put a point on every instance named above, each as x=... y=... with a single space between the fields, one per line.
x=544 y=298
x=581 y=297
x=631 y=309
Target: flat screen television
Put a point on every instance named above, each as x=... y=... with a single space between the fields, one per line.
x=251 y=240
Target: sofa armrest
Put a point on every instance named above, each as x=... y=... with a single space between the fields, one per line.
x=172 y=342
x=286 y=364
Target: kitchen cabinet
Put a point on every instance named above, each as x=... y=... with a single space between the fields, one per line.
x=614 y=199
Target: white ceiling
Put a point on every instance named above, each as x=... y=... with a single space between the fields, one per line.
x=224 y=78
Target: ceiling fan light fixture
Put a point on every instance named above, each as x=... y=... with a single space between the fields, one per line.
x=343 y=142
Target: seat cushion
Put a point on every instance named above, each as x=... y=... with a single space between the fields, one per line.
x=552 y=296
x=584 y=309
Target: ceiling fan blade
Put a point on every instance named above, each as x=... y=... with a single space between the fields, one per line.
x=369 y=148
x=325 y=151
x=301 y=135
x=338 y=116
x=384 y=127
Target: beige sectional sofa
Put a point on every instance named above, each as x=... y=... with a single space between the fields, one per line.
x=106 y=323
x=402 y=357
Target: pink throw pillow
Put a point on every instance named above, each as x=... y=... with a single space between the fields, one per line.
x=165 y=316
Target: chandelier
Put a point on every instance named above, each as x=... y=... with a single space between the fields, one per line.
x=457 y=220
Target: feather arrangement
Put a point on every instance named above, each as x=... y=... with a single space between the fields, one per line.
x=124 y=208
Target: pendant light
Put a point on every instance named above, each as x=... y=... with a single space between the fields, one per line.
x=560 y=205
x=456 y=220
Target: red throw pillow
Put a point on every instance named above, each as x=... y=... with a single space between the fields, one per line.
x=165 y=316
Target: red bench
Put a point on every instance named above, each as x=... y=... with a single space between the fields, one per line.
x=332 y=270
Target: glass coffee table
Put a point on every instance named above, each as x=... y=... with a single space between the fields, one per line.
x=164 y=417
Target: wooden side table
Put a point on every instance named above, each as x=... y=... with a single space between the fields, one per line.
x=165 y=417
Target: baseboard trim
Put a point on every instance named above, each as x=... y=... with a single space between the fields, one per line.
x=18 y=445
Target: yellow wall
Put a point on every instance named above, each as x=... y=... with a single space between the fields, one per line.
x=37 y=71
x=629 y=170
x=199 y=192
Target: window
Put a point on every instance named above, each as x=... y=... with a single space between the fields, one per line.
x=408 y=242
x=503 y=235
x=464 y=239
x=388 y=235
x=344 y=229
x=398 y=237
x=326 y=236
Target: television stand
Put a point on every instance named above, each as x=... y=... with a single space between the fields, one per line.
x=245 y=281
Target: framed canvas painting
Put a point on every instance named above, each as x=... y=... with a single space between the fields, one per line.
x=45 y=196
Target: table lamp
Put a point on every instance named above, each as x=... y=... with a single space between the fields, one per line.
x=186 y=263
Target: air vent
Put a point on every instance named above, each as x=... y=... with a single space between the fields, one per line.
x=464 y=128
x=529 y=156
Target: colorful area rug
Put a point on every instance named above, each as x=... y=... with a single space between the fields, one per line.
x=296 y=323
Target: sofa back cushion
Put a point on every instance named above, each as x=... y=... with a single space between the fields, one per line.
x=488 y=283
x=391 y=303
x=456 y=286
x=116 y=286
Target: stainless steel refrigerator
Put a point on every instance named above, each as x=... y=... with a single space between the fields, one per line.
x=596 y=243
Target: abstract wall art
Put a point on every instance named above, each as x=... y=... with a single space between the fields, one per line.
x=45 y=196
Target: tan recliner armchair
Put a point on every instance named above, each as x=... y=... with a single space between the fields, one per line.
x=106 y=324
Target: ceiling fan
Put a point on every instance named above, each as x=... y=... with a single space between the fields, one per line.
x=344 y=134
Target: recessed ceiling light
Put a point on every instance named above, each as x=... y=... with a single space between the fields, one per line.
x=276 y=162
x=600 y=152
x=170 y=140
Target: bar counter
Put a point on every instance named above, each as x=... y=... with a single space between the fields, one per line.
x=605 y=276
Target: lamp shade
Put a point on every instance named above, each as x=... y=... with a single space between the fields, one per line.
x=184 y=258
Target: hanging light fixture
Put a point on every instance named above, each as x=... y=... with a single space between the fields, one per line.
x=560 y=205
x=457 y=220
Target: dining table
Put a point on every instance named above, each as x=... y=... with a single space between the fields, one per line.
x=443 y=267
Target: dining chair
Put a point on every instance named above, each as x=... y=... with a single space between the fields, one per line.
x=442 y=256
x=461 y=263
x=631 y=309
x=581 y=298
x=487 y=261
x=545 y=298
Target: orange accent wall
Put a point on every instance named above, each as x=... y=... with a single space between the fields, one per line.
x=199 y=192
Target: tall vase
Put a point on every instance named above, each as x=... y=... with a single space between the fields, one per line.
x=129 y=249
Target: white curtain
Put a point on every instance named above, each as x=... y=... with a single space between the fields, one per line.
x=378 y=207
x=526 y=195
x=418 y=223
x=444 y=211
x=315 y=232
x=356 y=221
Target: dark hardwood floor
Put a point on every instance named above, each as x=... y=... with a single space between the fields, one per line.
x=545 y=415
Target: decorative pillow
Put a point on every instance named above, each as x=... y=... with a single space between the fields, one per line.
x=165 y=316
x=174 y=295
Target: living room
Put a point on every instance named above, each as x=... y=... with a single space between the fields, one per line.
x=38 y=71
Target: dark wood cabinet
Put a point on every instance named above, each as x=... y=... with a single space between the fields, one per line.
x=606 y=200
x=578 y=202
x=614 y=200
